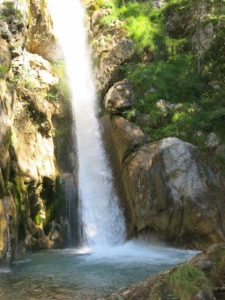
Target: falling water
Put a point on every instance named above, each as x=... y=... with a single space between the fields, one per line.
x=101 y=220
x=8 y=250
x=70 y=215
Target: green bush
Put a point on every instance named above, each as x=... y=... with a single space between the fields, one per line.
x=185 y=281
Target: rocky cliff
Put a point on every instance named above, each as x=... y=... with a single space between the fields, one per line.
x=35 y=119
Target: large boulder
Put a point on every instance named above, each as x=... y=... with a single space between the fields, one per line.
x=173 y=195
x=119 y=97
x=127 y=136
x=107 y=69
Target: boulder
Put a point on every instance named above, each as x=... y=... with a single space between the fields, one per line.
x=173 y=195
x=203 y=37
x=127 y=136
x=107 y=69
x=119 y=97
x=212 y=141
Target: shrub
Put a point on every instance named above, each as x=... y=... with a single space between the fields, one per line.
x=185 y=281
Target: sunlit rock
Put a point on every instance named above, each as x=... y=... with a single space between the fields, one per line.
x=40 y=31
x=127 y=136
x=34 y=71
x=119 y=97
x=173 y=195
x=107 y=70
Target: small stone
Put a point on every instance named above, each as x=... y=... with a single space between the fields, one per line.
x=212 y=141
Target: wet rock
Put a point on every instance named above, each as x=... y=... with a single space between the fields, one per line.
x=3 y=229
x=12 y=217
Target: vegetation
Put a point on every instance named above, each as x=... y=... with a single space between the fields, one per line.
x=185 y=281
x=62 y=90
x=9 y=11
x=176 y=68
x=3 y=71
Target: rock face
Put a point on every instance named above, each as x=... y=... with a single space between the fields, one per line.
x=33 y=109
x=173 y=195
x=108 y=54
x=40 y=35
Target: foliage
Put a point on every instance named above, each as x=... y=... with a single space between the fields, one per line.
x=8 y=11
x=172 y=73
x=157 y=81
x=186 y=280
x=3 y=71
x=37 y=220
x=62 y=90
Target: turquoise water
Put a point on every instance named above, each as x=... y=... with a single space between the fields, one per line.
x=79 y=274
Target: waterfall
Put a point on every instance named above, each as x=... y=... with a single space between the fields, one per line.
x=70 y=214
x=9 y=248
x=101 y=222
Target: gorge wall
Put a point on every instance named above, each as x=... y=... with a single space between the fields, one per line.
x=35 y=139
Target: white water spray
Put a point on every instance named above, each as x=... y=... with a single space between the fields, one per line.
x=101 y=221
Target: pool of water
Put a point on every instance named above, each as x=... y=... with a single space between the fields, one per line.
x=84 y=273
